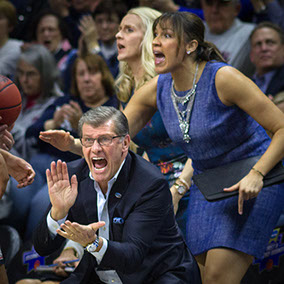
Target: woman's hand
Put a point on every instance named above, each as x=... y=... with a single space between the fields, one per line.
x=249 y=187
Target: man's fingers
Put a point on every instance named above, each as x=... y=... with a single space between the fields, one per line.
x=95 y=226
x=48 y=178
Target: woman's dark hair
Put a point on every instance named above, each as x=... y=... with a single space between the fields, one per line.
x=94 y=63
x=187 y=27
x=65 y=33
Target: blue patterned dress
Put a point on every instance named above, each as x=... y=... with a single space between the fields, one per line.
x=220 y=135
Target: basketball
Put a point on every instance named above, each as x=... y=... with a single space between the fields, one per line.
x=10 y=101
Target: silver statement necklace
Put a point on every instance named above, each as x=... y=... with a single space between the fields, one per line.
x=184 y=116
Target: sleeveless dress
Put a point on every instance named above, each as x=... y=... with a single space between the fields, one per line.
x=220 y=135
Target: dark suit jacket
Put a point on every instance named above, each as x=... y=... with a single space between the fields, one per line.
x=276 y=84
x=147 y=246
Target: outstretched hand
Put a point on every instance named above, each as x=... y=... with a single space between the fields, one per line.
x=59 y=139
x=82 y=234
x=249 y=187
x=62 y=192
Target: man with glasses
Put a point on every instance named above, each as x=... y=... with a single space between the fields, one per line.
x=118 y=207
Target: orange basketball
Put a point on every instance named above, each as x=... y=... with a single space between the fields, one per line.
x=10 y=101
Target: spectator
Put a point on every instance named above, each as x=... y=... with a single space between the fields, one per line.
x=10 y=49
x=98 y=34
x=267 y=55
x=50 y=30
x=129 y=230
x=36 y=78
x=228 y=33
x=72 y=11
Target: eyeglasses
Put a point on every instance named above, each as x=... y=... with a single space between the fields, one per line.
x=29 y=74
x=104 y=140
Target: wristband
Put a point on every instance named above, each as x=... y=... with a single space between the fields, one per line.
x=258 y=171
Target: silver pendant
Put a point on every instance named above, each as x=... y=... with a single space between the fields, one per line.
x=186 y=138
x=183 y=127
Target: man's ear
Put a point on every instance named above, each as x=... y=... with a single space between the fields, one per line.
x=126 y=143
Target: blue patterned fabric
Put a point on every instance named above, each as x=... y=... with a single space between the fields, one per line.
x=220 y=135
x=162 y=152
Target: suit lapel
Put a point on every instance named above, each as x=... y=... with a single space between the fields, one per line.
x=119 y=189
x=89 y=195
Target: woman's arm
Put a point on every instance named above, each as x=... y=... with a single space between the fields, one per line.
x=234 y=88
x=184 y=180
x=141 y=106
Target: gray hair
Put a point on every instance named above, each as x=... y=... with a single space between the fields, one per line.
x=269 y=25
x=42 y=59
x=102 y=114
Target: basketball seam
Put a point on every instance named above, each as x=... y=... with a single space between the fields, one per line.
x=10 y=106
x=6 y=87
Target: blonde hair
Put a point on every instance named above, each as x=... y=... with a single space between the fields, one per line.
x=125 y=81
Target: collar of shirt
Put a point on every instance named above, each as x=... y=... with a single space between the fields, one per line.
x=263 y=81
x=110 y=182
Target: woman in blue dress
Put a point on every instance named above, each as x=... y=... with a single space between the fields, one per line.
x=218 y=116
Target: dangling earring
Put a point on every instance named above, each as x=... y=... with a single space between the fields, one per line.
x=188 y=52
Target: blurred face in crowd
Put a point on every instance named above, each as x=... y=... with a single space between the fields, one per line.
x=29 y=78
x=48 y=33
x=219 y=14
x=107 y=26
x=89 y=83
x=129 y=38
x=267 y=50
